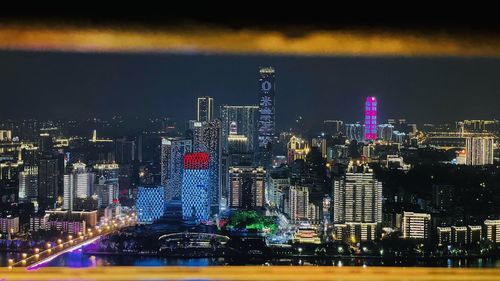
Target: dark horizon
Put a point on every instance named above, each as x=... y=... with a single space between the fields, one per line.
x=78 y=86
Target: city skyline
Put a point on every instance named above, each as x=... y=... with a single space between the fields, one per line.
x=334 y=86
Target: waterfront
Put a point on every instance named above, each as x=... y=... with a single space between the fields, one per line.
x=78 y=259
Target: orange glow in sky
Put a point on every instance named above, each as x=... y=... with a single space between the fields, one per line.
x=225 y=41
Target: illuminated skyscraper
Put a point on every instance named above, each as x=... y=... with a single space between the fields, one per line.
x=196 y=187
x=246 y=187
x=479 y=150
x=371 y=118
x=107 y=187
x=298 y=203
x=357 y=197
x=266 y=123
x=172 y=153
x=28 y=184
x=357 y=205
x=77 y=184
x=244 y=119
x=207 y=138
x=150 y=203
x=204 y=109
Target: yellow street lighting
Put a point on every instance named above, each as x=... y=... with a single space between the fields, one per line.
x=37 y=250
x=24 y=255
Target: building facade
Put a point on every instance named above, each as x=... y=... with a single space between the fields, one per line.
x=244 y=119
x=196 y=187
x=247 y=187
x=77 y=184
x=28 y=184
x=416 y=225
x=492 y=230
x=371 y=118
x=267 y=89
x=150 y=203
x=204 y=109
x=207 y=138
x=479 y=150
x=172 y=166
x=357 y=197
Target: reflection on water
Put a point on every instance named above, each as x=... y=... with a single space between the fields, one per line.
x=77 y=258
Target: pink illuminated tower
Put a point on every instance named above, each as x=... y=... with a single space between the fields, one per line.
x=370 y=118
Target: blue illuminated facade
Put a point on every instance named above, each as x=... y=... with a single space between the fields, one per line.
x=150 y=203
x=196 y=187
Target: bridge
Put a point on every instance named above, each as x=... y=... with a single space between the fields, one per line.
x=191 y=240
x=36 y=257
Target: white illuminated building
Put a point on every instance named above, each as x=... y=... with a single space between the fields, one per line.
x=416 y=225
x=479 y=150
x=28 y=184
x=298 y=206
x=77 y=184
x=357 y=205
x=493 y=230
x=357 y=197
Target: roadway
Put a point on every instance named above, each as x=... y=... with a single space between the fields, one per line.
x=38 y=256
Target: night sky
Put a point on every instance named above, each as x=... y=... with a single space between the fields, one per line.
x=82 y=85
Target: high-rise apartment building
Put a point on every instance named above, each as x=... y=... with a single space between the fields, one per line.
x=493 y=230
x=416 y=225
x=240 y=120
x=77 y=184
x=28 y=184
x=204 y=109
x=247 y=187
x=357 y=196
x=172 y=166
x=479 y=150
